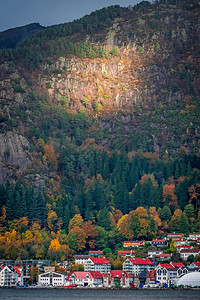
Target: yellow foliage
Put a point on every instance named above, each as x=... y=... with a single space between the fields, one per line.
x=121 y=221
x=55 y=245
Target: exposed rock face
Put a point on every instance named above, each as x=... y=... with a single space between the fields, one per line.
x=14 y=154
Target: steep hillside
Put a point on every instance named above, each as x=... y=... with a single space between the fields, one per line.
x=11 y=37
x=99 y=131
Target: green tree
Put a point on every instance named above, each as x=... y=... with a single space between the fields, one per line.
x=183 y=225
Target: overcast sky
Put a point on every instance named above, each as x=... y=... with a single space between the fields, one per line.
x=15 y=13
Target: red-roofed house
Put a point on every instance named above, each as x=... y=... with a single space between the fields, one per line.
x=90 y=279
x=9 y=276
x=20 y=275
x=117 y=278
x=194 y=236
x=166 y=274
x=126 y=253
x=177 y=264
x=136 y=244
x=158 y=243
x=97 y=264
x=185 y=253
x=95 y=253
x=174 y=236
x=163 y=256
x=137 y=265
x=183 y=247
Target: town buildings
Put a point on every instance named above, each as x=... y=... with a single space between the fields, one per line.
x=90 y=279
x=51 y=279
x=137 y=265
x=97 y=264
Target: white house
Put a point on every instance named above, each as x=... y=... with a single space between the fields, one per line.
x=11 y=276
x=154 y=251
x=194 y=236
x=97 y=264
x=51 y=279
x=137 y=265
x=81 y=259
x=90 y=279
x=166 y=274
x=115 y=277
x=184 y=254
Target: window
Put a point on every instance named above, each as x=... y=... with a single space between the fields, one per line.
x=159 y=272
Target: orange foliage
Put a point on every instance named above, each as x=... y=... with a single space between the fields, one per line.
x=50 y=157
x=80 y=236
x=55 y=245
x=169 y=189
x=154 y=215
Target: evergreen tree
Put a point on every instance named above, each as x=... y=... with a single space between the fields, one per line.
x=40 y=213
x=183 y=224
x=166 y=214
x=10 y=203
x=104 y=219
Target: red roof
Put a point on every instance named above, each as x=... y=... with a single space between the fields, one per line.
x=19 y=270
x=118 y=273
x=167 y=266
x=184 y=246
x=158 y=240
x=99 y=261
x=190 y=251
x=95 y=274
x=177 y=264
x=163 y=255
x=83 y=274
x=141 y=261
x=197 y=264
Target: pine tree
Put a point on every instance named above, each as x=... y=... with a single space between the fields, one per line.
x=104 y=219
x=40 y=213
x=10 y=203
x=183 y=224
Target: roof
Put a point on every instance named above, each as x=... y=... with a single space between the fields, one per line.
x=153 y=241
x=126 y=251
x=190 y=251
x=177 y=264
x=19 y=270
x=141 y=261
x=167 y=266
x=118 y=273
x=195 y=233
x=95 y=252
x=197 y=264
x=184 y=246
x=83 y=274
x=81 y=256
x=163 y=255
x=99 y=261
x=174 y=233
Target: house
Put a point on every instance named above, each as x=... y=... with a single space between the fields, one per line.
x=158 y=243
x=195 y=266
x=51 y=279
x=184 y=254
x=90 y=279
x=194 y=236
x=136 y=244
x=95 y=253
x=166 y=274
x=20 y=277
x=183 y=247
x=154 y=251
x=10 y=276
x=174 y=236
x=97 y=264
x=126 y=253
x=81 y=259
x=137 y=265
x=117 y=278
x=181 y=242
x=163 y=257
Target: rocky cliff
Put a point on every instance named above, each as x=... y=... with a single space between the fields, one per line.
x=143 y=93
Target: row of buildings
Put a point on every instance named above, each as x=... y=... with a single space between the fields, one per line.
x=97 y=273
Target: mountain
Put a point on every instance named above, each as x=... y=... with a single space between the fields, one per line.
x=100 y=116
x=11 y=37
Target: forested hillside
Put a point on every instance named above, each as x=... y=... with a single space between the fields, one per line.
x=99 y=130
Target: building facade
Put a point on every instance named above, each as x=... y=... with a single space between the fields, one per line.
x=137 y=265
x=97 y=264
x=51 y=279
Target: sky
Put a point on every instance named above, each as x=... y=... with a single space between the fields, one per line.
x=15 y=13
